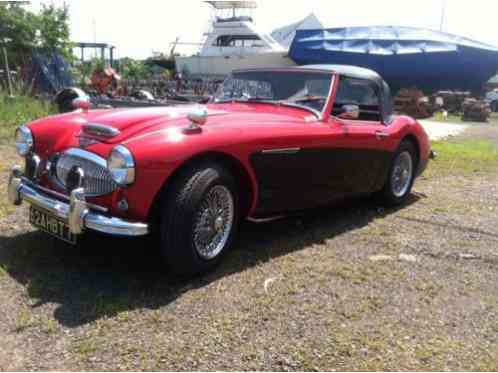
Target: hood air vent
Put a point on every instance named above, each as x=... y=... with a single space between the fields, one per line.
x=100 y=130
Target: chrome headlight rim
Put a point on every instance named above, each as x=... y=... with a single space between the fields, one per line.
x=24 y=141
x=121 y=165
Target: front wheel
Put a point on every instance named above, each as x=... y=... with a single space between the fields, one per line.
x=401 y=175
x=199 y=219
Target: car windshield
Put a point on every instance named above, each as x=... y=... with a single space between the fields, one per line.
x=306 y=90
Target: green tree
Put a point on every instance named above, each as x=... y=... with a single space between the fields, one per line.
x=53 y=29
x=133 y=70
x=22 y=30
x=18 y=31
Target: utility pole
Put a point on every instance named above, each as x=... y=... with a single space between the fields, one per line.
x=7 y=70
x=443 y=14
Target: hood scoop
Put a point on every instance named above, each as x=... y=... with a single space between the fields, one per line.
x=100 y=130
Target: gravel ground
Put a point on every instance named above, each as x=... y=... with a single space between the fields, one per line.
x=355 y=287
x=439 y=130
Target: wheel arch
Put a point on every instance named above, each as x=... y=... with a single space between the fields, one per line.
x=245 y=183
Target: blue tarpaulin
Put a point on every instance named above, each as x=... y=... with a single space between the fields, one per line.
x=403 y=56
x=50 y=72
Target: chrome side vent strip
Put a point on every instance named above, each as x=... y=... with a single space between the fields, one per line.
x=281 y=151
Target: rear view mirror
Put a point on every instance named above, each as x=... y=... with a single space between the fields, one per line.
x=350 y=112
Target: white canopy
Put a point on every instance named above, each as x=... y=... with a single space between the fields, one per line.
x=233 y=4
x=285 y=35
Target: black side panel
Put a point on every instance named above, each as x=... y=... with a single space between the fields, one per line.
x=313 y=177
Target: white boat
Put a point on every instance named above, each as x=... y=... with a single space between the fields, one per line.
x=233 y=42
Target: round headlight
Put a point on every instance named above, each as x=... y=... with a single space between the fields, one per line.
x=24 y=141
x=121 y=165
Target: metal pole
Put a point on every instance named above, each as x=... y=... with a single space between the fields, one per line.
x=443 y=14
x=7 y=71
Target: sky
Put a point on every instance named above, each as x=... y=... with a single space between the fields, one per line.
x=137 y=28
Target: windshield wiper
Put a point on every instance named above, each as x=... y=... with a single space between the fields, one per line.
x=264 y=100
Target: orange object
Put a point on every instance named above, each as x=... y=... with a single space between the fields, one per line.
x=102 y=80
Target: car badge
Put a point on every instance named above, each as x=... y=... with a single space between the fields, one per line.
x=75 y=178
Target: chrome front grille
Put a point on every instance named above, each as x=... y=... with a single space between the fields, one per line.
x=97 y=179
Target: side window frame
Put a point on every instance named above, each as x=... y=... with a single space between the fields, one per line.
x=367 y=83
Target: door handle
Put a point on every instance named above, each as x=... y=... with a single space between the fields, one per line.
x=381 y=135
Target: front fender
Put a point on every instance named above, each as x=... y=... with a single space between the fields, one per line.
x=160 y=155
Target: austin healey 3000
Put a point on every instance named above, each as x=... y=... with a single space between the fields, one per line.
x=271 y=142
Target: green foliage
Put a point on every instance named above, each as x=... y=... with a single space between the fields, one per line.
x=53 y=28
x=22 y=30
x=133 y=70
x=19 y=110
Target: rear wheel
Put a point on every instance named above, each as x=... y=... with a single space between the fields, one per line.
x=401 y=175
x=199 y=219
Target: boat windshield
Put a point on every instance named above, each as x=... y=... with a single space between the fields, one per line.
x=303 y=89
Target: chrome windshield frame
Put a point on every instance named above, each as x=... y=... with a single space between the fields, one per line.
x=319 y=114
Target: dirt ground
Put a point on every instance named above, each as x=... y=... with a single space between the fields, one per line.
x=355 y=287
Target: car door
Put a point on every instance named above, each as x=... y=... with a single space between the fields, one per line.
x=367 y=140
x=299 y=170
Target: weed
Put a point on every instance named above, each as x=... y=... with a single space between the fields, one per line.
x=24 y=320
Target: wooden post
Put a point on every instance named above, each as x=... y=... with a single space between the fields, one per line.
x=7 y=71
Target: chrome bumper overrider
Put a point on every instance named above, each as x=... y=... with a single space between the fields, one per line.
x=77 y=213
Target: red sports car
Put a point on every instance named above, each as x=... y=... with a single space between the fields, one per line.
x=272 y=141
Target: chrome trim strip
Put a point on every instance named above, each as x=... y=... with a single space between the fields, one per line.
x=281 y=151
x=80 y=153
x=76 y=213
x=266 y=220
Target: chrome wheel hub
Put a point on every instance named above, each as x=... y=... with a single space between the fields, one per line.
x=213 y=222
x=402 y=174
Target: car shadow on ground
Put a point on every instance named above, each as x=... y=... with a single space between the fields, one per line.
x=101 y=276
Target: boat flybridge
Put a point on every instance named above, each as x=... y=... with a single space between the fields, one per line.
x=233 y=42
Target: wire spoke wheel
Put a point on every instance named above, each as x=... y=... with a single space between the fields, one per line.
x=402 y=174
x=213 y=222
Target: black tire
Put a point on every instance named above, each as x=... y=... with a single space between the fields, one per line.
x=387 y=195
x=179 y=212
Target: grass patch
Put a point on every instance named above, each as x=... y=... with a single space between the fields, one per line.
x=464 y=156
x=19 y=110
x=85 y=347
x=24 y=320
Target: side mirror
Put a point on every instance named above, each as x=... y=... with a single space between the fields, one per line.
x=350 y=112
x=81 y=103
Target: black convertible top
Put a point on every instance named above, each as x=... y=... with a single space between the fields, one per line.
x=362 y=73
x=347 y=70
x=354 y=72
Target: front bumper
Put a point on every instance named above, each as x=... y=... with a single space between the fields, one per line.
x=76 y=212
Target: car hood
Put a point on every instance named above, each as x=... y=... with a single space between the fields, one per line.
x=130 y=122
x=57 y=132
x=134 y=122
